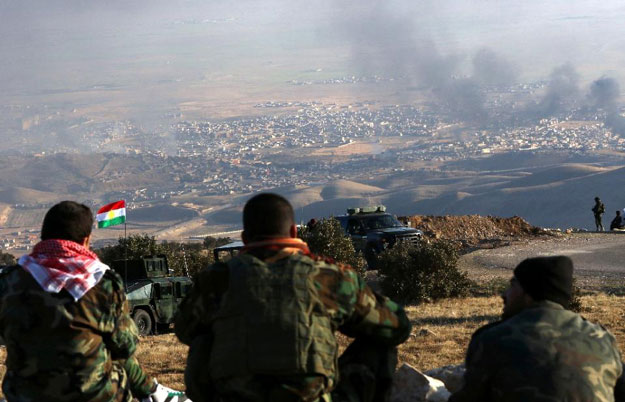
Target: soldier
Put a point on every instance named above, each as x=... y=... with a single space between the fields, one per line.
x=618 y=223
x=541 y=351
x=261 y=327
x=65 y=322
x=598 y=210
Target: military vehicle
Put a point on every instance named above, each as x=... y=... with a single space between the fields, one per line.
x=153 y=295
x=373 y=230
x=227 y=251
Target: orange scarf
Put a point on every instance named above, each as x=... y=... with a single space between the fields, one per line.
x=284 y=246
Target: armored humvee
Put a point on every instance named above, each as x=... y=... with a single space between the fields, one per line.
x=153 y=295
x=373 y=230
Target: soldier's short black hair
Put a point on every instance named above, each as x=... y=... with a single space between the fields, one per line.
x=67 y=220
x=267 y=215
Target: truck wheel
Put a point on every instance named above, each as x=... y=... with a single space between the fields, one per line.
x=144 y=322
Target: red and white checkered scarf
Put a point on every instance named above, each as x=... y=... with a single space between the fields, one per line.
x=63 y=264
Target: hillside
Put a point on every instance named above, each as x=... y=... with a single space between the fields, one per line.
x=553 y=190
x=20 y=195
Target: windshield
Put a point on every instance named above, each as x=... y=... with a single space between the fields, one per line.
x=380 y=222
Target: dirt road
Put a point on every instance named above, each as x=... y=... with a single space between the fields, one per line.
x=599 y=258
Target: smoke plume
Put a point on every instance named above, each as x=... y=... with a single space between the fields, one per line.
x=604 y=94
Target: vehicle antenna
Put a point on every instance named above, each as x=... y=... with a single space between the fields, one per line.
x=184 y=259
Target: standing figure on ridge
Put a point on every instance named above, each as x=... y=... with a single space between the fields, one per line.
x=261 y=327
x=598 y=210
x=540 y=351
x=65 y=322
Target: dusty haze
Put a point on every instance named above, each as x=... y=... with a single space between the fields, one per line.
x=152 y=56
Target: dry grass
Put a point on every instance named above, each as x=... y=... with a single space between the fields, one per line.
x=164 y=357
x=440 y=335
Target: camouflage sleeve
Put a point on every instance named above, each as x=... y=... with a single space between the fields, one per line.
x=141 y=384
x=198 y=307
x=361 y=312
x=122 y=342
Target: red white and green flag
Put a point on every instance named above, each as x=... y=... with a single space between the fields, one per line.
x=111 y=214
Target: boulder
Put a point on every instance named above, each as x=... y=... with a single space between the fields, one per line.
x=411 y=385
x=451 y=376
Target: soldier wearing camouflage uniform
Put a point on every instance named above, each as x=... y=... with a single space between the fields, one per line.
x=65 y=322
x=261 y=327
x=598 y=210
x=541 y=351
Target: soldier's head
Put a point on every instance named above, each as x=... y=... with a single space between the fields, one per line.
x=597 y=199
x=268 y=216
x=618 y=213
x=537 y=279
x=68 y=220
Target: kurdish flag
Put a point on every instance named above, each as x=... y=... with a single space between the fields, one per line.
x=111 y=214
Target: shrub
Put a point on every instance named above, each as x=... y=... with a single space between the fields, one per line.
x=7 y=259
x=328 y=239
x=182 y=258
x=414 y=274
x=133 y=246
x=211 y=243
x=576 y=299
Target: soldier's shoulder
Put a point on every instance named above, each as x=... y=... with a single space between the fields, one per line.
x=596 y=330
x=7 y=270
x=110 y=282
x=327 y=263
x=330 y=274
x=207 y=276
x=487 y=330
x=7 y=275
x=541 y=323
x=216 y=267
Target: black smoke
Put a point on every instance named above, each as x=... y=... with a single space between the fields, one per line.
x=604 y=94
x=393 y=45
x=562 y=92
x=387 y=42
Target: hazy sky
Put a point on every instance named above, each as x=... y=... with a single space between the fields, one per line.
x=173 y=50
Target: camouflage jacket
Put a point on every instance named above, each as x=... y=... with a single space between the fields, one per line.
x=598 y=209
x=62 y=350
x=352 y=307
x=544 y=353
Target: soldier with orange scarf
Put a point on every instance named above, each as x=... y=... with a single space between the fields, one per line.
x=261 y=327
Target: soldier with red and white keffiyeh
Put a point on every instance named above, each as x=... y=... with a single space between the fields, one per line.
x=65 y=321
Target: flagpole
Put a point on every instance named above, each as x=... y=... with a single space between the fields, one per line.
x=113 y=214
x=125 y=258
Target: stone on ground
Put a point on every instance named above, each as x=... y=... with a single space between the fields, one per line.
x=411 y=385
x=451 y=376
